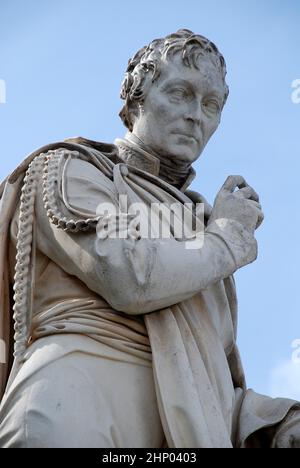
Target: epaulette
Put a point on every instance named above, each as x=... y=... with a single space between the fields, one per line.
x=55 y=162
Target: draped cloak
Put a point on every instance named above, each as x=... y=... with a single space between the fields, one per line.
x=200 y=386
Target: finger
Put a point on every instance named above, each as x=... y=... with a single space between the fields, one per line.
x=256 y=204
x=259 y=214
x=249 y=193
x=260 y=218
x=234 y=181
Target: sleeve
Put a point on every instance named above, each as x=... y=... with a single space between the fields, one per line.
x=134 y=275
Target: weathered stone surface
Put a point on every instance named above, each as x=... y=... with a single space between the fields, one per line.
x=126 y=337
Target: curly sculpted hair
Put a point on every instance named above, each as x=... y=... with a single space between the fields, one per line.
x=144 y=67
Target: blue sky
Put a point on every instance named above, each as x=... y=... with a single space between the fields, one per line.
x=63 y=62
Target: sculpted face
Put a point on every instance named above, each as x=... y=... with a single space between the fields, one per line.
x=181 y=110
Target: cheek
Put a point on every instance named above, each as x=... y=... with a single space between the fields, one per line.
x=210 y=128
x=164 y=112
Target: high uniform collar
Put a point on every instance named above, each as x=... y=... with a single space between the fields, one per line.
x=135 y=153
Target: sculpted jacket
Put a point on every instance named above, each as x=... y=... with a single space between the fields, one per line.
x=163 y=305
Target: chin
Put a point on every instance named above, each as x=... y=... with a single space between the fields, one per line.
x=185 y=154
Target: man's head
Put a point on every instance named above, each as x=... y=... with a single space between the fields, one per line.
x=174 y=91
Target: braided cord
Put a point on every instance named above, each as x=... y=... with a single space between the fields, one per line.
x=46 y=168
x=23 y=270
x=51 y=190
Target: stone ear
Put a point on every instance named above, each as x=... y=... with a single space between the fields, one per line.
x=135 y=109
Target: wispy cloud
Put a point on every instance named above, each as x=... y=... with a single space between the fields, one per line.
x=285 y=380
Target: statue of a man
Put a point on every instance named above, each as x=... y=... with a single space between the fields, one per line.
x=129 y=340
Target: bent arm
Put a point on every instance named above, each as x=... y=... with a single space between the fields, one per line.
x=138 y=276
x=144 y=275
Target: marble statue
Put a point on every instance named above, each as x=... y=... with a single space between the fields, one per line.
x=129 y=340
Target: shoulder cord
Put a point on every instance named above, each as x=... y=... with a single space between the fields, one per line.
x=47 y=164
x=23 y=269
x=51 y=191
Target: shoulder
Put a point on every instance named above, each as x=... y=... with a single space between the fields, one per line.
x=76 y=143
x=76 y=178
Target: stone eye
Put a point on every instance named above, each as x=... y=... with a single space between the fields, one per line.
x=178 y=93
x=211 y=106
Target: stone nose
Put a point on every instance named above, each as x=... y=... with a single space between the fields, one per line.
x=194 y=112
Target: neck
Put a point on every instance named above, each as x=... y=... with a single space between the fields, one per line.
x=175 y=172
